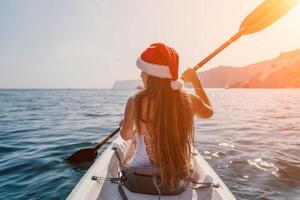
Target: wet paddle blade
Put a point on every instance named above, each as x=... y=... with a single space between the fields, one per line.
x=82 y=156
x=265 y=14
x=89 y=155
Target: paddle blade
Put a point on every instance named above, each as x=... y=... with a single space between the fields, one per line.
x=266 y=14
x=82 y=156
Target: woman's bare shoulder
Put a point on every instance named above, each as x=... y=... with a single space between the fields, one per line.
x=130 y=102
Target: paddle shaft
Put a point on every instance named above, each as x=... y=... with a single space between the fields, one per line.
x=106 y=139
x=218 y=50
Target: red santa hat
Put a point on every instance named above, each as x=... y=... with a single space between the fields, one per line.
x=161 y=61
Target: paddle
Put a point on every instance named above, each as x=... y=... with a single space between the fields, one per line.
x=263 y=16
x=89 y=154
x=260 y=18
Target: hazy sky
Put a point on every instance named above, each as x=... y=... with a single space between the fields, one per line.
x=90 y=43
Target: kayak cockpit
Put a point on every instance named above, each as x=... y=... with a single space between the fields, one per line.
x=107 y=167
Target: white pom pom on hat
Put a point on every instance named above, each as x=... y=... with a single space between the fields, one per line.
x=177 y=85
x=161 y=61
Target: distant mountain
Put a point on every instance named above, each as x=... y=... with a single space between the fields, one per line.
x=224 y=76
x=280 y=72
x=132 y=84
x=283 y=72
x=127 y=84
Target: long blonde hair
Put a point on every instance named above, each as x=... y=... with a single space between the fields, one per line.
x=170 y=127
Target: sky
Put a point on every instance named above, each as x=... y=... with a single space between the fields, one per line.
x=92 y=43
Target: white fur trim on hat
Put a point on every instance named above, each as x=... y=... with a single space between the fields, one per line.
x=177 y=84
x=160 y=71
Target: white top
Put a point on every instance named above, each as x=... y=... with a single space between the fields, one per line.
x=140 y=157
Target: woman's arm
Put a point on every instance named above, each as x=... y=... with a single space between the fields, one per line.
x=201 y=104
x=128 y=121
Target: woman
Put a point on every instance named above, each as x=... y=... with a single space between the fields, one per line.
x=160 y=117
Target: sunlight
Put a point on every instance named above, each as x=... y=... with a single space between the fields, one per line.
x=294 y=15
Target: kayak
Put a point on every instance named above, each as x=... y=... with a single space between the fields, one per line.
x=107 y=166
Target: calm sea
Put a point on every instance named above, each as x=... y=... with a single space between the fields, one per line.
x=252 y=142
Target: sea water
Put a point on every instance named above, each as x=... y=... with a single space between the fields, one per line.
x=252 y=141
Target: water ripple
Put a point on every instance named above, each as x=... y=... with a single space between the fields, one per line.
x=252 y=141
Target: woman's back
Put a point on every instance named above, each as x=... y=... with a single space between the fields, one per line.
x=162 y=114
x=166 y=117
x=144 y=155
